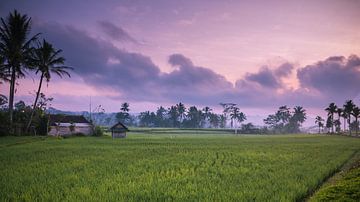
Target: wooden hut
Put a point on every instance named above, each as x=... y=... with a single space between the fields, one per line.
x=118 y=130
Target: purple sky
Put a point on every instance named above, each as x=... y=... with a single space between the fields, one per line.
x=259 y=54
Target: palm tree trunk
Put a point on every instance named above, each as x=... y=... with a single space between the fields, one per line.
x=332 y=123
x=35 y=102
x=349 y=124
x=344 y=124
x=356 y=126
x=11 y=98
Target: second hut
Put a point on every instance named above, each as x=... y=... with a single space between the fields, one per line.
x=119 y=130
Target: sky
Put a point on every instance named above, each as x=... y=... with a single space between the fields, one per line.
x=260 y=54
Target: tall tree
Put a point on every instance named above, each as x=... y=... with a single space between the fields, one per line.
x=47 y=60
x=356 y=114
x=331 y=109
x=160 y=116
x=206 y=114
x=237 y=115
x=194 y=117
x=298 y=117
x=123 y=115
x=173 y=115
x=15 y=47
x=226 y=110
x=320 y=122
x=181 y=111
x=348 y=108
x=339 y=111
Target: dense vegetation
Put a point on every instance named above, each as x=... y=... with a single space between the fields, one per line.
x=169 y=167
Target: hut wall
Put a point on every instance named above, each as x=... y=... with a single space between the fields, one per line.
x=118 y=134
x=65 y=130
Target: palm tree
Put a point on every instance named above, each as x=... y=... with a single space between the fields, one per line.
x=237 y=116
x=298 y=117
x=339 y=111
x=348 y=108
x=356 y=114
x=47 y=60
x=320 y=122
x=207 y=113
x=16 y=49
x=331 y=109
x=181 y=111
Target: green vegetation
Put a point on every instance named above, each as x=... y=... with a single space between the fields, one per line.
x=169 y=167
x=344 y=186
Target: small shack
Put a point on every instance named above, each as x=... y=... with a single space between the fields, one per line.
x=63 y=125
x=118 y=130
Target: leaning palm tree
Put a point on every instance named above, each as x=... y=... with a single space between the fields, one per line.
x=47 y=60
x=348 y=108
x=331 y=109
x=356 y=114
x=15 y=47
x=320 y=122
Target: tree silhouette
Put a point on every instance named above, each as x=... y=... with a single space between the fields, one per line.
x=320 y=122
x=236 y=115
x=181 y=111
x=298 y=117
x=46 y=60
x=348 y=109
x=15 y=48
x=331 y=109
x=356 y=114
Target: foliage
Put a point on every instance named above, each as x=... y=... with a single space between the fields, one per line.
x=161 y=168
x=124 y=116
x=284 y=121
x=15 y=49
x=98 y=131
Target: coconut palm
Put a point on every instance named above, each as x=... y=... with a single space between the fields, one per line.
x=356 y=114
x=181 y=111
x=348 y=108
x=331 y=109
x=236 y=115
x=339 y=111
x=47 y=60
x=320 y=122
x=15 y=47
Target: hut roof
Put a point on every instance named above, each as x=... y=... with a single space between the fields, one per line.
x=119 y=126
x=61 y=118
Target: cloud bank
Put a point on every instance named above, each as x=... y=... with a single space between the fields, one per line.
x=136 y=78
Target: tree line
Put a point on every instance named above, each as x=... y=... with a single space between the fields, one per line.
x=180 y=116
x=338 y=116
x=20 y=53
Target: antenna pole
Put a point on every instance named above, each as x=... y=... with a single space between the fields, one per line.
x=90 y=110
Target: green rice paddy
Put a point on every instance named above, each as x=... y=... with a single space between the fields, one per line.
x=210 y=167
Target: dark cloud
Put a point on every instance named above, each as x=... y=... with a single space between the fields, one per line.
x=115 y=32
x=264 y=77
x=267 y=77
x=136 y=78
x=133 y=75
x=335 y=77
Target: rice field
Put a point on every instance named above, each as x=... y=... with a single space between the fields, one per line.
x=169 y=167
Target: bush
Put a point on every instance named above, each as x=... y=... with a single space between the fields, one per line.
x=98 y=131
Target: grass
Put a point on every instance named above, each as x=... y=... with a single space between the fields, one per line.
x=169 y=167
x=344 y=186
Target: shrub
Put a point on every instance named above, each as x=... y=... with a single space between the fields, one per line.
x=98 y=131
